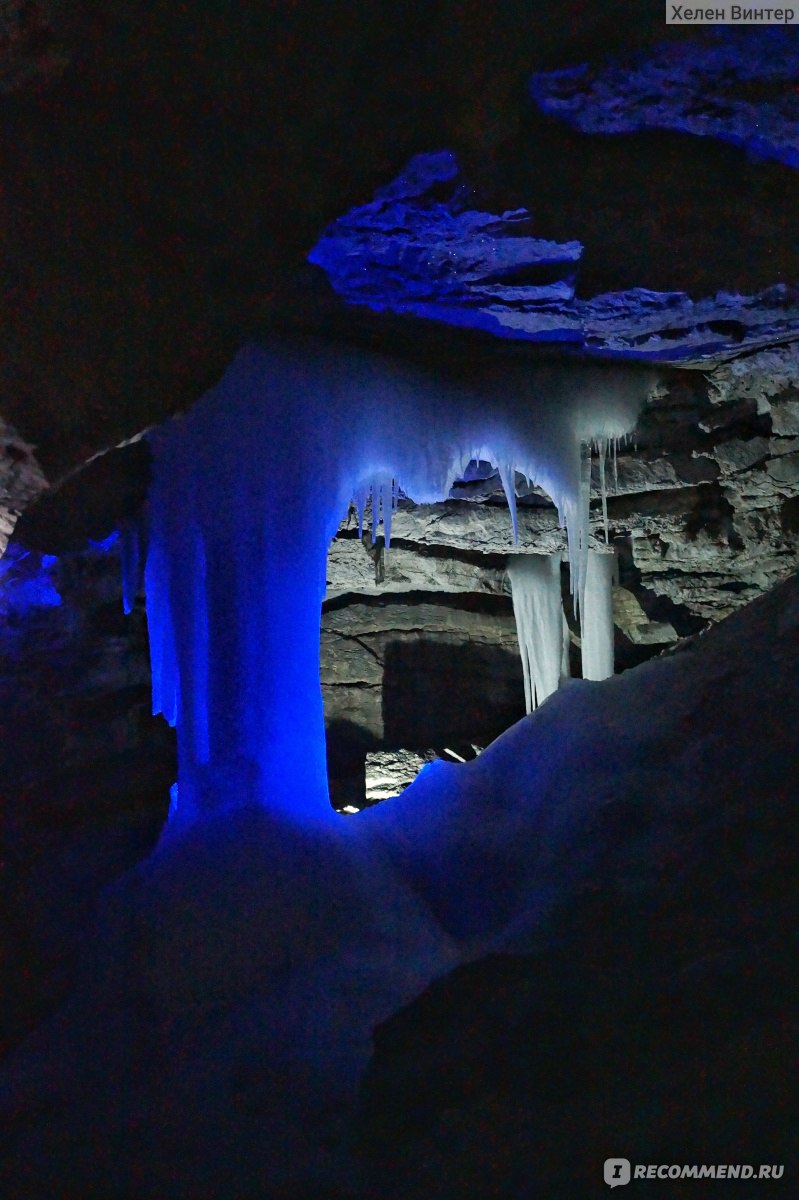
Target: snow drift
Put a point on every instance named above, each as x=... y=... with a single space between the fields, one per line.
x=233 y=980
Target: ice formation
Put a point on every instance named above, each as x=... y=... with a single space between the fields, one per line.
x=248 y=489
x=597 y=617
x=255 y=947
x=540 y=624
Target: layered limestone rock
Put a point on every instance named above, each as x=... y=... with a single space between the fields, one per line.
x=736 y=85
x=419 y=673
x=419 y=248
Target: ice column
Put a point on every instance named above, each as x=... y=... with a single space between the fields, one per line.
x=597 y=616
x=540 y=623
x=248 y=489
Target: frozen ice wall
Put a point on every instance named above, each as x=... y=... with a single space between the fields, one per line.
x=248 y=490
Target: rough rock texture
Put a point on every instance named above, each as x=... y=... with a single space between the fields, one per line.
x=733 y=84
x=168 y=170
x=21 y=479
x=420 y=670
x=85 y=769
x=419 y=248
x=389 y=772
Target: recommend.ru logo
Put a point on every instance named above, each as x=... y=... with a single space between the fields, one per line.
x=619 y=1171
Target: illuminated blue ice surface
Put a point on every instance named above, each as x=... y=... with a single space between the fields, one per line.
x=249 y=489
x=27 y=581
x=224 y=1014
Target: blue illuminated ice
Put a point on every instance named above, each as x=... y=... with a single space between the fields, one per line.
x=540 y=624
x=248 y=490
x=597 y=619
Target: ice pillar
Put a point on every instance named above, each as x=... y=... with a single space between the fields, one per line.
x=248 y=489
x=540 y=623
x=597 y=616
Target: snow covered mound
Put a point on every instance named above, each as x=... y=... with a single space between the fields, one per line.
x=492 y=844
x=233 y=981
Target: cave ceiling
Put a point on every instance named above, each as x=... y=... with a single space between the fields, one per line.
x=477 y=181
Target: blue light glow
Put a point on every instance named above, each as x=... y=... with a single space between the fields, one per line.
x=26 y=581
x=248 y=490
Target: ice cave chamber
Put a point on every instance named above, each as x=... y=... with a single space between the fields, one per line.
x=249 y=489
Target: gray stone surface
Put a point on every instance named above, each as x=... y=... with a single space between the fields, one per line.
x=389 y=772
x=407 y=672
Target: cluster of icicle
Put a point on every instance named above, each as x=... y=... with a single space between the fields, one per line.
x=248 y=490
x=541 y=624
x=535 y=580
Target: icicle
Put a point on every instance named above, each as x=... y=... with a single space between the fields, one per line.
x=602 y=450
x=131 y=565
x=507 y=475
x=360 y=498
x=535 y=588
x=383 y=493
x=576 y=518
x=597 y=616
x=163 y=659
x=565 y=664
x=616 y=465
x=374 y=491
x=387 y=509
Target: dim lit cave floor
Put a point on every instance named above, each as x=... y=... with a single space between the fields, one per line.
x=580 y=945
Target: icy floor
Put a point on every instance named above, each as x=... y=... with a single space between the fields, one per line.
x=232 y=982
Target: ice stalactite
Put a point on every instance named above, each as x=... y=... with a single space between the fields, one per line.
x=131 y=565
x=597 y=618
x=382 y=496
x=602 y=452
x=247 y=492
x=540 y=623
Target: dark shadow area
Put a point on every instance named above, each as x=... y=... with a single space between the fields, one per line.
x=64 y=837
x=435 y=693
x=347 y=747
x=657 y=608
x=660 y=210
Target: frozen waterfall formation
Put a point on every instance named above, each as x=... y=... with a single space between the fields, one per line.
x=248 y=490
x=541 y=622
